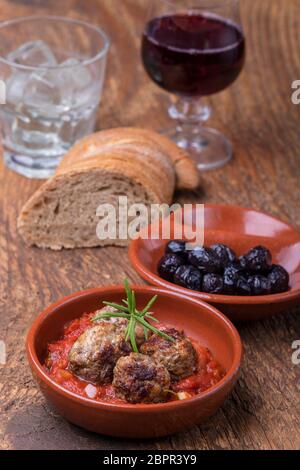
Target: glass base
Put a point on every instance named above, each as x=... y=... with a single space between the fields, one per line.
x=35 y=168
x=208 y=147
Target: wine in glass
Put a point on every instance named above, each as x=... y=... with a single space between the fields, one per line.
x=194 y=48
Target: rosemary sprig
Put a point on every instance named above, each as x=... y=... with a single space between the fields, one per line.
x=129 y=311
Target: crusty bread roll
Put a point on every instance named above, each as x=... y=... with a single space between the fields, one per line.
x=136 y=163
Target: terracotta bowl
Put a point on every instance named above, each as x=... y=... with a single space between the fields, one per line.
x=199 y=321
x=241 y=229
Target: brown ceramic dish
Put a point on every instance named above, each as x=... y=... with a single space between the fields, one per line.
x=241 y=229
x=199 y=321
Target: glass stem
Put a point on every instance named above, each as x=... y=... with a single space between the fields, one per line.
x=190 y=114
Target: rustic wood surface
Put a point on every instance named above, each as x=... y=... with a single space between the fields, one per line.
x=258 y=116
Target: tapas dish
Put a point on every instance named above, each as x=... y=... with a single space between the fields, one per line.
x=112 y=359
x=262 y=273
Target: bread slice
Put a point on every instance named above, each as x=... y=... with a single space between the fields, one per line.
x=63 y=212
x=96 y=171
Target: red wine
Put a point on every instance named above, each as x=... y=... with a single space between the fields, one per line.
x=193 y=54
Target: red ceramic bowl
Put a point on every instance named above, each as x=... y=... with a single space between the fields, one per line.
x=241 y=229
x=199 y=321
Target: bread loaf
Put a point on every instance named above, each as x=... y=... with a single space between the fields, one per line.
x=97 y=170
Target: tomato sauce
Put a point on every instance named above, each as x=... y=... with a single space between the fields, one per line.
x=209 y=373
x=56 y=365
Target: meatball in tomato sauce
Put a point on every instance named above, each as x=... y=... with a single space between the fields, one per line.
x=179 y=357
x=141 y=379
x=96 y=352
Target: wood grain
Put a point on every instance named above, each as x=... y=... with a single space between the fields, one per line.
x=258 y=116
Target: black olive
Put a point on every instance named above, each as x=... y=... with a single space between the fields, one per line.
x=279 y=279
x=205 y=259
x=243 y=287
x=225 y=254
x=189 y=277
x=260 y=285
x=231 y=277
x=243 y=263
x=168 y=265
x=177 y=247
x=217 y=270
x=257 y=260
x=213 y=284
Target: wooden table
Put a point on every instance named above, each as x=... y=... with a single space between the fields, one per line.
x=258 y=116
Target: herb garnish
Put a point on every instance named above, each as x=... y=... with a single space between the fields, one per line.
x=134 y=316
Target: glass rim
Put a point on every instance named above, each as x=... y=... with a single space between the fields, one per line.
x=214 y=5
x=103 y=51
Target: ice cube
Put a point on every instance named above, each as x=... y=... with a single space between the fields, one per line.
x=41 y=92
x=80 y=76
x=15 y=87
x=58 y=90
x=34 y=54
x=73 y=82
x=63 y=80
x=78 y=80
x=89 y=86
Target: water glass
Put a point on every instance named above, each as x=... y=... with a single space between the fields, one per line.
x=53 y=69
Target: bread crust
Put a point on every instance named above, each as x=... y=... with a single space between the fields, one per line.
x=142 y=141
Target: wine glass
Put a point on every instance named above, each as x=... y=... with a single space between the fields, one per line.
x=194 y=48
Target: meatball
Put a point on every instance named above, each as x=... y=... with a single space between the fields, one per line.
x=95 y=353
x=122 y=324
x=179 y=357
x=140 y=379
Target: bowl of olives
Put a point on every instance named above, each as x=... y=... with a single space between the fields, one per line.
x=249 y=265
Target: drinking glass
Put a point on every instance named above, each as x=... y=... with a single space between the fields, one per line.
x=53 y=70
x=194 y=48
